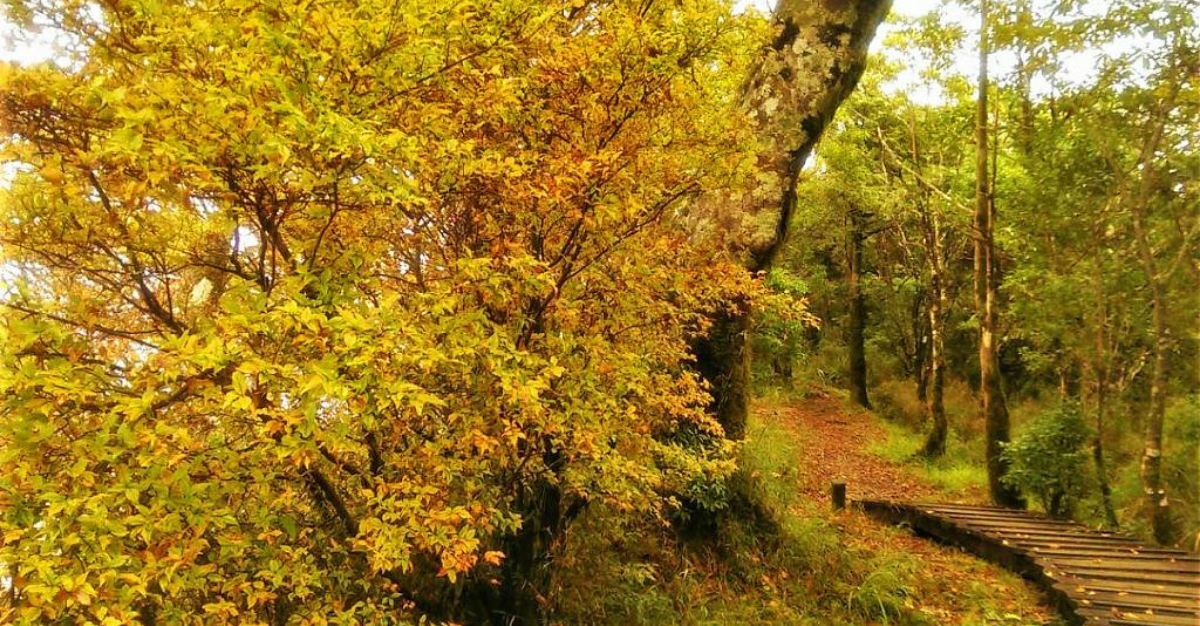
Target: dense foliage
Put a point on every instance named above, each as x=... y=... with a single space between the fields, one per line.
x=341 y=312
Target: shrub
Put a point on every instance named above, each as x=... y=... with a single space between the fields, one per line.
x=1181 y=465
x=1048 y=460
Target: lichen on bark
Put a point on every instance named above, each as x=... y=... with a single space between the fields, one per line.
x=813 y=62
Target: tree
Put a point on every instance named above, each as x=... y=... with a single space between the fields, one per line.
x=811 y=66
x=1138 y=189
x=926 y=194
x=858 y=309
x=342 y=312
x=991 y=391
x=935 y=259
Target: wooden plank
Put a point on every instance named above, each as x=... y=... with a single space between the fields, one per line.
x=1015 y=518
x=1145 y=554
x=1115 y=616
x=1051 y=544
x=1063 y=539
x=966 y=507
x=1017 y=522
x=994 y=514
x=1115 y=576
x=1043 y=533
x=1167 y=592
x=1111 y=598
x=1142 y=604
x=1051 y=533
x=1133 y=565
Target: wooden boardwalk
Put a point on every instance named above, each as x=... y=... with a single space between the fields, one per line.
x=1094 y=578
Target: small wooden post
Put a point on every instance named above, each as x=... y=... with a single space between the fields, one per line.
x=839 y=495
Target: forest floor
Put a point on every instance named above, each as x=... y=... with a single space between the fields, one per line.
x=834 y=442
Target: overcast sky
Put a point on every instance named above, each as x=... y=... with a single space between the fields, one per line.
x=41 y=47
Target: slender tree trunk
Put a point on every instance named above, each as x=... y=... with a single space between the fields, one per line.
x=858 y=314
x=994 y=408
x=919 y=314
x=781 y=364
x=931 y=233
x=1157 y=506
x=806 y=73
x=921 y=340
x=1101 y=368
x=935 y=441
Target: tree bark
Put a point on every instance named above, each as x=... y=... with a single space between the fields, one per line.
x=1157 y=506
x=806 y=72
x=931 y=234
x=935 y=441
x=922 y=349
x=723 y=361
x=991 y=393
x=1101 y=369
x=858 y=313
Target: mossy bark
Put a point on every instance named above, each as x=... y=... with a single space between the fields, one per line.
x=723 y=359
x=858 y=313
x=806 y=72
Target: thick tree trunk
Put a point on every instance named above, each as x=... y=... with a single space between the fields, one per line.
x=994 y=408
x=858 y=314
x=546 y=513
x=812 y=65
x=723 y=360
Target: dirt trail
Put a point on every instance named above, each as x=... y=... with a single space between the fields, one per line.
x=950 y=586
x=835 y=448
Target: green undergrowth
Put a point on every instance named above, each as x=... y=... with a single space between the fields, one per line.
x=774 y=557
x=961 y=474
x=958 y=473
